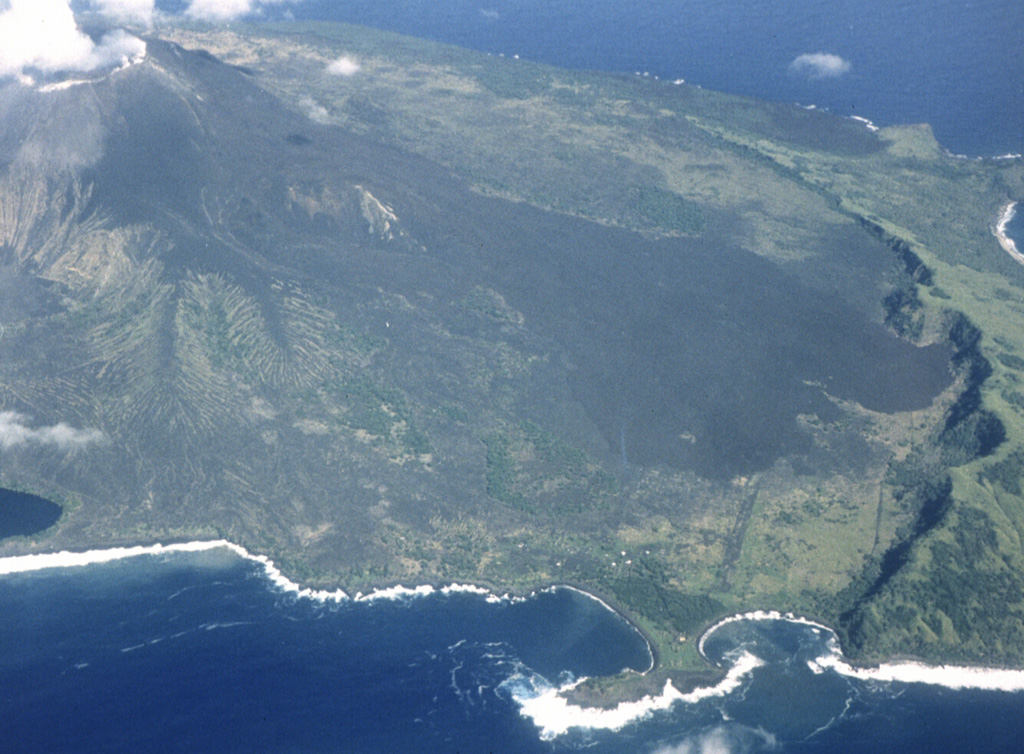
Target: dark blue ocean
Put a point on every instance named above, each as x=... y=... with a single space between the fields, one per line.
x=201 y=652
x=956 y=64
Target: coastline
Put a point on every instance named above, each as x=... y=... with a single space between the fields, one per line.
x=757 y=615
x=900 y=671
x=550 y=710
x=1007 y=213
x=73 y=559
x=658 y=691
x=652 y=647
x=556 y=709
x=555 y=715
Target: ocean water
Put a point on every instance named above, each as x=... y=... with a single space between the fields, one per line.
x=1014 y=229
x=212 y=652
x=956 y=64
x=202 y=652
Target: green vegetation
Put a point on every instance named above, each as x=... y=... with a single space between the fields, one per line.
x=501 y=473
x=1008 y=473
x=447 y=319
x=673 y=611
x=382 y=412
x=508 y=83
x=669 y=211
x=532 y=470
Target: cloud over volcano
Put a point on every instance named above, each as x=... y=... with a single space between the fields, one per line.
x=43 y=35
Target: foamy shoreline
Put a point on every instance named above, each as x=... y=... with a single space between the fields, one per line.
x=758 y=615
x=555 y=716
x=549 y=710
x=954 y=677
x=1007 y=214
x=867 y=123
x=68 y=559
x=948 y=676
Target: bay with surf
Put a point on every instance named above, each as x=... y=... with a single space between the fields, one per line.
x=204 y=646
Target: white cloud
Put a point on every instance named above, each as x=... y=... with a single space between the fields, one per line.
x=43 y=34
x=126 y=11
x=218 y=10
x=227 y=10
x=819 y=65
x=315 y=110
x=715 y=742
x=724 y=740
x=14 y=433
x=114 y=48
x=343 y=66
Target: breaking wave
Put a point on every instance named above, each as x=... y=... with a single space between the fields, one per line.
x=545 y=705
x=68 y=559
x=541 y=700
x=832 y=659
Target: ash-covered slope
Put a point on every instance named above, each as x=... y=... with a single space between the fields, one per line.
x=299 y=336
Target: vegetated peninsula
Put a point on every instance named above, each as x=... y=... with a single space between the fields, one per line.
x=428 y=315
